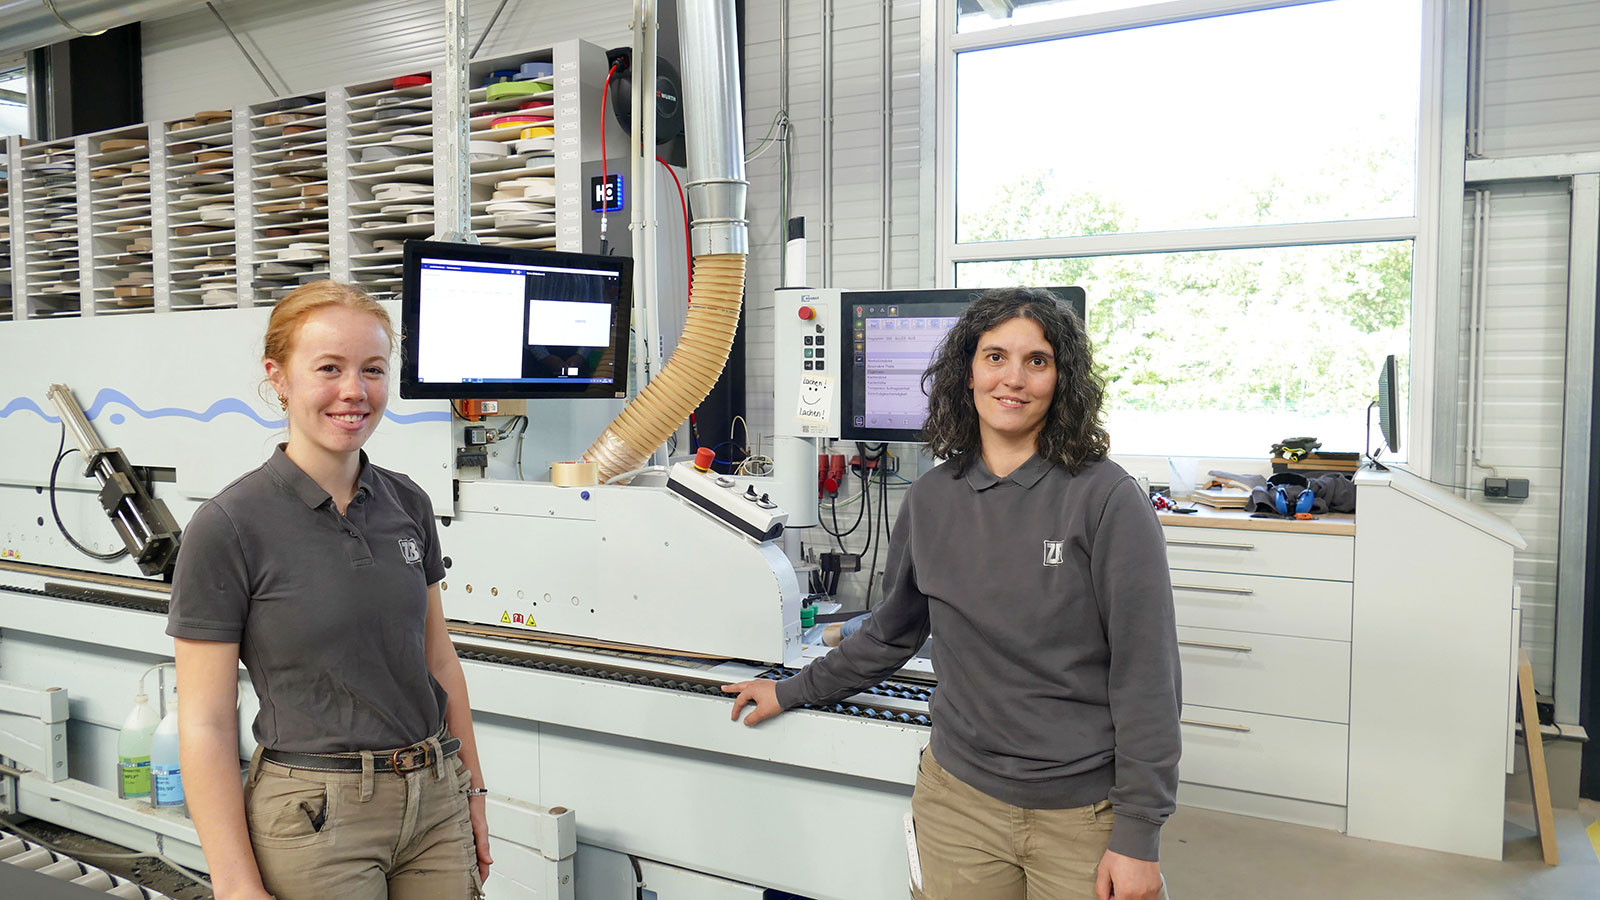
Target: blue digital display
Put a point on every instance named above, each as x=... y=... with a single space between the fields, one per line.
x=607 y=197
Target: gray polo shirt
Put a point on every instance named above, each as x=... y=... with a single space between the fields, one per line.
x=328 y=610
x=1056 y=650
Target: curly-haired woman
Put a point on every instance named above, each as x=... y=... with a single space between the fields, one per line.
x=1040 y=566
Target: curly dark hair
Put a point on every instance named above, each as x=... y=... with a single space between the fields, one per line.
x=1073 y=434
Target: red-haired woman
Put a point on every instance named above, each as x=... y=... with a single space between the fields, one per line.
x=320 y=571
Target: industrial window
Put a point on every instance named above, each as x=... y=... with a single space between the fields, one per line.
x=13 y=97
x=1236 y=190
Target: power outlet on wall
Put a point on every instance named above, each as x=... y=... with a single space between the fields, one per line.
x=1505 y=488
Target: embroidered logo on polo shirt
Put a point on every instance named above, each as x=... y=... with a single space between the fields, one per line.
x=1054 y=552
x=410 y=550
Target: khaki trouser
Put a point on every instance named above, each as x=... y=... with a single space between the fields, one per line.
x=368 y=835
x=974 y=847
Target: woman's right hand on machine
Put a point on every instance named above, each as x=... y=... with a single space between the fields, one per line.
x=762 y=693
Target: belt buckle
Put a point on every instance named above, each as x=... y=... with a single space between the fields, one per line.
x=409 y=759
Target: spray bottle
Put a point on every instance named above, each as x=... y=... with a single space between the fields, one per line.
x=166 y=778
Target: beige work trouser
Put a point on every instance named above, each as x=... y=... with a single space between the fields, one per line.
x=369 y=835
x=974 y=847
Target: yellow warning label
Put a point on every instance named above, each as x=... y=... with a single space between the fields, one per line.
x=505 y=617
x=531 y=622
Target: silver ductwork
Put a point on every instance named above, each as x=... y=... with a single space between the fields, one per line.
x=31 y=24
x=713 y=115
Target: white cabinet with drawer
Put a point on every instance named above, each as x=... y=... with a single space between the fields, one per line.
x=1264 y=754
x=1350 y=677
x=1293 y=606
x=1264 y=639
x=1266 y=673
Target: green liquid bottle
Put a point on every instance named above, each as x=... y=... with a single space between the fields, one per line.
x=133 y=749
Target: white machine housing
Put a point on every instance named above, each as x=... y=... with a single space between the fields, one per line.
x=182 y=393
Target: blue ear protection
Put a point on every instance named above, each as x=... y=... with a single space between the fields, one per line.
x=1302 y=503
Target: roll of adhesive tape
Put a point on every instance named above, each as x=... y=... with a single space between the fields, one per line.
x=574 y=474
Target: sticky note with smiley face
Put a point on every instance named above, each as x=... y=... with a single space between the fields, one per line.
x=816 y=400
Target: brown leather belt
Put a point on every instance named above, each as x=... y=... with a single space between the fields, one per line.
x=406 y=759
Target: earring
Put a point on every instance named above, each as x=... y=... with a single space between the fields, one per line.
x=283 y=402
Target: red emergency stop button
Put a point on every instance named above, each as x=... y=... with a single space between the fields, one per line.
x=807 y=313
x=703 y=458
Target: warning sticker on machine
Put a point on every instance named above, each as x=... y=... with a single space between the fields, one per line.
x=507 y=617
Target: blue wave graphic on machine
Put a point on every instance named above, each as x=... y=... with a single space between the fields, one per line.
x=108 y=396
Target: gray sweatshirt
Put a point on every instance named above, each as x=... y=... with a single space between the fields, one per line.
x=1057 y=657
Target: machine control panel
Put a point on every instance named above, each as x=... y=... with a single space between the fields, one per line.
x=806 y=366
x=748 y=510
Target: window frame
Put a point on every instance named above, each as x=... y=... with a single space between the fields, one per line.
x=1422 y=228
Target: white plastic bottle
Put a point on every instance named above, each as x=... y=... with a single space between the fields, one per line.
x=166 y=778
x=133 y=748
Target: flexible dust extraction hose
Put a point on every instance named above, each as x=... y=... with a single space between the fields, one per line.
x=719 y=240
x=686 y=379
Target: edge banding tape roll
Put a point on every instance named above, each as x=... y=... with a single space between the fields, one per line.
x=574 y=474
x=487 y=149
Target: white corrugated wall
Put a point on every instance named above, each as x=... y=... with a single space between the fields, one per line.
x=1541 y=95
x=1522 y=388
x=191 y=64
x=1541 y=64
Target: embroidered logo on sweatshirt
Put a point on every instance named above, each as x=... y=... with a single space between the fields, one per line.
x=1054 y=552
x=410 y=551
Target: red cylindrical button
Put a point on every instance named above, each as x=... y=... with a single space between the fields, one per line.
x=703 y=458
x=807 y=313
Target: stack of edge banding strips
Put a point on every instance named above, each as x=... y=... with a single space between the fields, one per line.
x=513 y=130
x=5 y=242
x=292 y=214
x=119 y=187
x=52 y=229
x=202 y=216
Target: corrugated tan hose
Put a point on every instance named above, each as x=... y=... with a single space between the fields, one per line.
x=702 y=352
x=720 y=241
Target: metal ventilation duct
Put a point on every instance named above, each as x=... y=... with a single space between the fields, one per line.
x=31 y=24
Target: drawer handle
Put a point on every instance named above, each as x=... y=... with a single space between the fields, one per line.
x=1213 y=545
x=1239 y=728
x=1240 y=648
x=1212 y=590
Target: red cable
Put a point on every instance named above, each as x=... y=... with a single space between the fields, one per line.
x=604 y=110
x=688 y=257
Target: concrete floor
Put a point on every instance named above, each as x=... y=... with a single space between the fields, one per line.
x=1219 y=856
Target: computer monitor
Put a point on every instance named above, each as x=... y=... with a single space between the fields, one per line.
x=894 y=335
x=506 y=322
x=1388 y=404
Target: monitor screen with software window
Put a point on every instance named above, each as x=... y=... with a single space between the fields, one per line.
x=893 y=336
x=504 y=322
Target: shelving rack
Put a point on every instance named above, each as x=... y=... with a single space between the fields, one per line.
x=521 y=184
x=51 y=183
x=238 y=207
x=391 y=178
x=201 y=222
x=289 y=153
x=6 y=308
x=122 y=276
